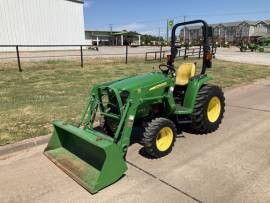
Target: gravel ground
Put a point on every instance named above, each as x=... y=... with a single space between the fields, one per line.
x=234 y=54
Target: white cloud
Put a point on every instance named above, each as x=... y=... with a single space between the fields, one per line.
x=130 y=27
x=87 y=3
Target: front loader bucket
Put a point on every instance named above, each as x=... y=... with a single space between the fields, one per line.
x=89 y=157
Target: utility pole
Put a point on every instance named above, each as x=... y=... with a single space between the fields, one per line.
x=159 y=34
x=219 y=33
x=111 y=28
x=167 y=30
x=184 y=29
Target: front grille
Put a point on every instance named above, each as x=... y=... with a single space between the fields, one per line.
x=109 y=101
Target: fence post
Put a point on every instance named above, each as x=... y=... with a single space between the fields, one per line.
x=160 y=53
x=200 y=51
x=18 y=58
x=145 y=56
x=81 y=56
x=185 y=56
x=126 y=54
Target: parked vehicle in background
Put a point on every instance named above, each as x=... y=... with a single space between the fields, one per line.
x=225 y=44
x=95 y=48
x=134 y=44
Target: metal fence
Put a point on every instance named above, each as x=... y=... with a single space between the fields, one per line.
x=80 y=52
x=185 y=52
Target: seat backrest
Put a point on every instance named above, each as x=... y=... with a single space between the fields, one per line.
x=184 y=73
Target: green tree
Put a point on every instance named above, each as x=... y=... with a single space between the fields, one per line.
x=148 y=39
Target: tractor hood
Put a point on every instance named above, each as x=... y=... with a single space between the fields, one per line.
x=139 y=81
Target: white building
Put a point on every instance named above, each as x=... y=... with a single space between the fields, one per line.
x=111 y=38
x=41 y=22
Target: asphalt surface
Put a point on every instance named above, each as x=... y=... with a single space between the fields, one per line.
x=230 y=165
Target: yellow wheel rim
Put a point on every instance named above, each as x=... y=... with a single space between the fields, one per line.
x=164 y=139
x=214 y=109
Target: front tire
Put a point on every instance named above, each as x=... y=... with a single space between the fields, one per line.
x=159 y=137
x=208 y=110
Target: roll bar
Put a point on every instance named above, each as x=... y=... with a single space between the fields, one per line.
x=206 y=47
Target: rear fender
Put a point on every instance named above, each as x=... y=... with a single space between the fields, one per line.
x=192 y=90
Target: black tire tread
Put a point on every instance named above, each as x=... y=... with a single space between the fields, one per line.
x=149 y=136
x=199 y=122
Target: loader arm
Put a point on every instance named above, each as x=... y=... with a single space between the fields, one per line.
x=126 y=117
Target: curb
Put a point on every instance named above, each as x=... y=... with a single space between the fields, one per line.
x=25 y=144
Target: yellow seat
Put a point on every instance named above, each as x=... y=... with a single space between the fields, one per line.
x=184 y=73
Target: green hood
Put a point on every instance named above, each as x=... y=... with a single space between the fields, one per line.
x=139 y=81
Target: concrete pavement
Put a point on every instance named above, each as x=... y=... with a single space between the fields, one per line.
x=230 y=165
x=234 y=54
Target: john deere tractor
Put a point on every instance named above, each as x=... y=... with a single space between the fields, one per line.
x=160 y=101
x=263 y=42
x=248 y=46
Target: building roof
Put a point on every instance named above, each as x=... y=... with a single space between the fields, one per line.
x=194 y=27
x=113 y=32
x=249 y=22
x=107 y=31
x=126 y=32
x=77 y=1
x=231 y=24
x=267 y=22
x=256 y=22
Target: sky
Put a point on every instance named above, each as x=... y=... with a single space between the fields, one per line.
x=150 y=16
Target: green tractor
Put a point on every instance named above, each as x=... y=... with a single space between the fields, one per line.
x=263 y=42
x=160 y=101
x=248 y=46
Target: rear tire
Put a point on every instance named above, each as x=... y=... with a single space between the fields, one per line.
x=159 y=137
x=208 y=110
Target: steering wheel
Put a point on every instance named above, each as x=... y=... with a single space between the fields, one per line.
x=166 y=68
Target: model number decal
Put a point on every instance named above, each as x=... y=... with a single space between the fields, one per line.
x=158 y=86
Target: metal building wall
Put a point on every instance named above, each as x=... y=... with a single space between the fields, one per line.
x=36 y=22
